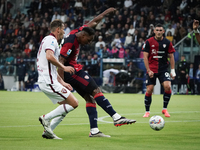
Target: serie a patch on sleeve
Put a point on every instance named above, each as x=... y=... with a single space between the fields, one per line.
x=69 y=51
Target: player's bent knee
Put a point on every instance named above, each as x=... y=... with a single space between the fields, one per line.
x=96 y=91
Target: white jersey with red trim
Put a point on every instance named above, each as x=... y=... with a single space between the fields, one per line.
x=47 y=71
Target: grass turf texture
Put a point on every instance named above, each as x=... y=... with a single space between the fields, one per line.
x=21 y=130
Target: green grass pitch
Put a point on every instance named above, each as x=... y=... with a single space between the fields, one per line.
x=21 y=130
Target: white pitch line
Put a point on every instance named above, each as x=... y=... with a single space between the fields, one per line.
x=101 y=119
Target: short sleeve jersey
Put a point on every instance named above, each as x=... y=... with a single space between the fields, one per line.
x=70 y=49
x=47 y=71
x=158 y=53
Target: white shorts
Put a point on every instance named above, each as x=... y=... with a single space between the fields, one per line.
x=56 y=92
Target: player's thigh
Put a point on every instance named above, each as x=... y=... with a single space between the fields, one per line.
x=164 y=76
x=56 y=92
x=150 y=81
x=166 y=85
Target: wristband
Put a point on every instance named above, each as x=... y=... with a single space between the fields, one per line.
x=196 y=31
x=173 y=72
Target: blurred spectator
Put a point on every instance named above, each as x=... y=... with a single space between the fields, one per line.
x=180 y=32
x=121 y=52
x=135 y=22
x=27 y=50
x=191 y=87
x=7 y=49
x=33 y=53
x=105 y=52
x=150 y=31
x=131 y=30
x=63 y=16
x=198 y=79
x=132 y=69
x=122 y=39
x=111 y=79
x=67 y=29
x=169 y=36
x=114 y=51
x=32 y=78
x=55 y=16
x=78 y=7
x=182 y=72
x=125 y=29
x=3 y=63
x=97 y=45
x=172 y=30
x=116 y=41
x=1 y=82
x=21 y=73
x=128 y=40
x=98 y=6
x=9 y=63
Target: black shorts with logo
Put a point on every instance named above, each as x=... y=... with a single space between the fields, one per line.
x=81 y=81
x=162 y=76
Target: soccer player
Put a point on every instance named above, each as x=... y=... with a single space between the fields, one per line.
x=196 y=31
x=82 y=82
x=50 y=82
x=156 y=50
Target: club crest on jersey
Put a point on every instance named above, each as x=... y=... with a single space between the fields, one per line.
x=64 y=90
x=86 y=77
x=164 y=45
x=153 y=51
x=69 y=51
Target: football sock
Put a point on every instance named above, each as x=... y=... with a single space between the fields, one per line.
x=54 y=122
x=147 y=101
x=92 y=113
x=104 y=104
x=166 y=98
x=59 y=111
x=94 y=130
x=116 y=116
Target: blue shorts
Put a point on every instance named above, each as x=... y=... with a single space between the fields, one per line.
x=82 y=82
x=162 y=76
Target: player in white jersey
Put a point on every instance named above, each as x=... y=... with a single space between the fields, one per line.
x=51 y=83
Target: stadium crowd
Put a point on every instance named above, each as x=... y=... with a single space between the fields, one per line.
x=119 y=35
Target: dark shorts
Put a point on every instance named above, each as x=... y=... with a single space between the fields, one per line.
x=21 y=78
x=82 y=82
x=162 y=76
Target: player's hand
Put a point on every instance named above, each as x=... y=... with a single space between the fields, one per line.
x=195 y=24
x=150 y=73
x=69 y=69
x=68 y=86
x=173 y=74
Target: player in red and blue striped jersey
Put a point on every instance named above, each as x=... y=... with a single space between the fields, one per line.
x=157 y=50
x=81 y=81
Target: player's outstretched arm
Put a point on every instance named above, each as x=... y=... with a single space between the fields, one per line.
x=196 y=31
x=98 y=18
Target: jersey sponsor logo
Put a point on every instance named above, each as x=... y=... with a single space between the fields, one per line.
x=161 y=52
x=64 y=90
x=152 y=45
x=164 y=45
x=69 y=51
x=86 y=77
x=157 y=56
x=52 y=43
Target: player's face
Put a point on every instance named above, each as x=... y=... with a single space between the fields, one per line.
x=61 y=32
x=87 y=39
x=159 y=31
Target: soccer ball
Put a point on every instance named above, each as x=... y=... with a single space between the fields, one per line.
x=156 y=122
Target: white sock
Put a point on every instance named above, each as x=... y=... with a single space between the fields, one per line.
x=59 y=111
x=164 y=108
x=148 y=111
x=54 y=122
x=94 y=130
x=116 y=116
